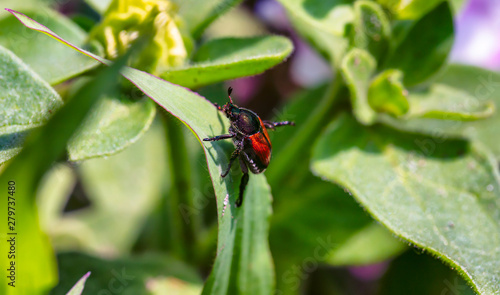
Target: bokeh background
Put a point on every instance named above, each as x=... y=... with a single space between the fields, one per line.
x=477 y=43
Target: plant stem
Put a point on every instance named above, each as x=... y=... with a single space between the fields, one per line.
x=300 y=144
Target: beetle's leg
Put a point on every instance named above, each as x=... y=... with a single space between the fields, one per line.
x=217 y=106
x=243 y=183
x=273 y=125
x=234 y=155
x=219 y=137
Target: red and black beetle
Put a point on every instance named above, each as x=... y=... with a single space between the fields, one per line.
x=249 y=134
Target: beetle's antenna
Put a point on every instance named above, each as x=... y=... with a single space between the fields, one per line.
x=229 y=91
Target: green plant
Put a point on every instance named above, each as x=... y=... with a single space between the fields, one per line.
x=418 y=151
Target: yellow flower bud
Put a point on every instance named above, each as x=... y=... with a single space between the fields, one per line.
x=127 y=20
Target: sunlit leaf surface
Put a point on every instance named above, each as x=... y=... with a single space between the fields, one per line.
x=436 y=198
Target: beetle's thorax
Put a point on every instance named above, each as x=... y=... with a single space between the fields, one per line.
x=243 y=121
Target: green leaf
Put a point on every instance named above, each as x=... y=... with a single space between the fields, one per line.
x=52 y=196
x=415 y=273
x=445 y=102
x=301 y=109
x=321 y=224
x=26 y=99
x=371 y=29
x=357 y=69
x=27 y=102
x=323 y=23
x=483 y=85
x=457 y=5
x=419 y=55
x=228 y=58
x=415 y=9
x=48 y=52
x=114 y=123
x=78 y=287
x=197 y=15
x=35 y=267
x=435 y=198
x=387 y=93
x=125 y=184
x=128 y=276
x=243 y=258
x=479 y=86
x=371 y=244
x=237 y=22
x=11 y=140
x=21 y=5
x=314 y=219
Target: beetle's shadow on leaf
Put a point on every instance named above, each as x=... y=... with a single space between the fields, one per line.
x=219 y=151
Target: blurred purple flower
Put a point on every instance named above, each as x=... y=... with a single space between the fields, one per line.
x=245 y=88
x=370 y=272
x=477 y=39
x=272 y=13
x=307 y=67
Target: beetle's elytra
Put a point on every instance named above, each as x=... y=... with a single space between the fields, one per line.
x=249 y=134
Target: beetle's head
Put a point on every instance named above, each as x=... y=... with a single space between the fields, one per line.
x=243 y=120
x=230 y=109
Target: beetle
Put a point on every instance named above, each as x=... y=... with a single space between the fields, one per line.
x=250 y=138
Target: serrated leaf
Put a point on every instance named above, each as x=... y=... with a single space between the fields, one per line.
x=228 y=58
x=323 y=23
x=27 y=102
x=435 y=198
x=243 y=258
x=78 y=287
x=114 y=124
x=478 y=84
x=48 y=52
x=420 y=55
x=387 y=93
x=371 y=29
x=36 y=272
x=129 y=276
x=358 y=66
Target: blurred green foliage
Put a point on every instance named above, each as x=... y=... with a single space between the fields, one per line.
x=399 y=149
